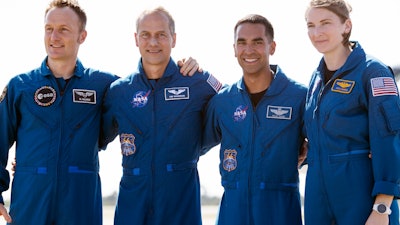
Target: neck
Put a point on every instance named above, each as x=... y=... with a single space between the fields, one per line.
x=257 y=83
x=335 y=60
x=154 y=71
x=62 y=69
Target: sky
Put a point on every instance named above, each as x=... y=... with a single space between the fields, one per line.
x=204 y=31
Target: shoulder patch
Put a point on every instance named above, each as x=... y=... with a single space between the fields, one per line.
x=3 y=94
x=214 y=83
x=381 y=86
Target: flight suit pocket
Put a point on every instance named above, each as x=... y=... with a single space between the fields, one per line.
x=391 y=114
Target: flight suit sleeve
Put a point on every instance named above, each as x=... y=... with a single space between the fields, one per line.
x=109 y=126
x=211 y=130
x=8 y=118
x=384 y=131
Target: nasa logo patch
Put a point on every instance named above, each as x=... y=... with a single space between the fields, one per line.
x=45 y=96
x=140 y=99
x=240 y=113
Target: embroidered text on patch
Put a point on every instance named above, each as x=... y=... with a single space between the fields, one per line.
x=279 y=112
x=176 y=93
x=343 y=86
x=383 y=86
x=84 y=96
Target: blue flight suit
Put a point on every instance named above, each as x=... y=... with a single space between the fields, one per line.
x=259 y=152
x=56 y=131
x=356 y=113
x=159 y=124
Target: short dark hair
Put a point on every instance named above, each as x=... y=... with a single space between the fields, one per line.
x=257 y=19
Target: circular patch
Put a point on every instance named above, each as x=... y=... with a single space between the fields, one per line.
x=45 y=96
x=3 y=95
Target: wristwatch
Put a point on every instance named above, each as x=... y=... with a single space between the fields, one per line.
x=381 y=208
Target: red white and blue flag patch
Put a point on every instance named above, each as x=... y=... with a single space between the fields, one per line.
x=383 y=86
x=214 y=83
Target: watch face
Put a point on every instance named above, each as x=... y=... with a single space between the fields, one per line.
x=381 y=208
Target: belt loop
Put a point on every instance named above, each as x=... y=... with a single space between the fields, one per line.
x=42 y=170
x=136 y=171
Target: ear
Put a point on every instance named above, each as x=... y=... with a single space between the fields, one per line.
x=348 y=26
x=173 y=40
x=272 y=47
x=136 y=40
x=82 y=36
x=234 y=50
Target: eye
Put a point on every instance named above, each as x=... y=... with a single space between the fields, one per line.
x=144 y=35
x=162 y=36
x=241 y=43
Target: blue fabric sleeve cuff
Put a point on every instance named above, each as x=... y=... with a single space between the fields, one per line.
x=388 y=188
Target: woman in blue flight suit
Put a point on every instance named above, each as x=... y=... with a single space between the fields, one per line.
x=352 y=121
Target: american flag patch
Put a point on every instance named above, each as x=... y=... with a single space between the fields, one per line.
x=383 y=86
x=214 y=83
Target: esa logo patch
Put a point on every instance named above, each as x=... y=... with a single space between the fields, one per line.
x=45 y=96
x=84 y=96
x=230 y=160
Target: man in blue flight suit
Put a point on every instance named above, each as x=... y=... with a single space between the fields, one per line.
x=158 y=115
x=259 y=120
x=53 y=114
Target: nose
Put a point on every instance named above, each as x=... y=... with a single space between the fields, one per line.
x=316 y=31
x=54 y=35
x=153 y=40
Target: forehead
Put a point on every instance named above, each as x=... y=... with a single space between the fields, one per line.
x=319 y=14
x=62 y=16
x=250 y=31
x=153 y=22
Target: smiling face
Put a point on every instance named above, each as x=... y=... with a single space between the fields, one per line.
x=252 y=48
x=63 y=34
x=155 y=39
x=326 y=30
